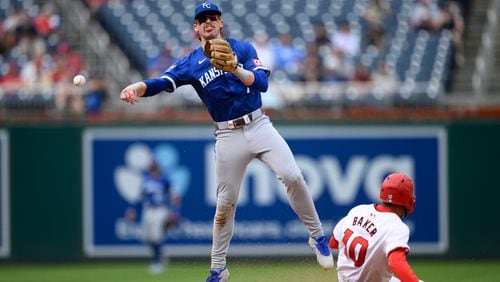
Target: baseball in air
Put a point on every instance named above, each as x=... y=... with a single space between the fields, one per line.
x=79 y=80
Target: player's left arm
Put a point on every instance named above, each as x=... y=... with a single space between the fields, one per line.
x=252 y=78
x=252 y=69
x=226 y=57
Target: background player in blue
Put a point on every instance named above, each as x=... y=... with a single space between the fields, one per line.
x=160 y=211
x=229 y=79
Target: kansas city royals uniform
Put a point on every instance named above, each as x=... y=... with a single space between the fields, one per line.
x=366 y=236
x=155 y=210
x=224 y=95
x=242 y=132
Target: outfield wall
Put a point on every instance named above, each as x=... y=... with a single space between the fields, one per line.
x=48 y=171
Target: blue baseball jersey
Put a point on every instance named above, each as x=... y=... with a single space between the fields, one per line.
x=224 y=94
x=155 y=191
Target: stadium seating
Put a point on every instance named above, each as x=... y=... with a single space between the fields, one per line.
x=12 y=60
x=419 y=58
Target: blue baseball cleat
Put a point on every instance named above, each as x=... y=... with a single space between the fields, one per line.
x=218 y=275
x=322 y=250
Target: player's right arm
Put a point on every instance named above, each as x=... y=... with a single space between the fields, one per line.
x=336 y=236
x=146 y=88
x=397 y=249
x=130 y=93
x=400 y=267
x=173 y=77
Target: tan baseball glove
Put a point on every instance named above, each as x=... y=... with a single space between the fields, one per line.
x=221 y=55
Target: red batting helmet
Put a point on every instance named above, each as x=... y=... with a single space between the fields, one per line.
x=397 y=189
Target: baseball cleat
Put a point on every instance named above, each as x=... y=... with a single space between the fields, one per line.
x=218 y=275
x=156 y=268
x=322 y=250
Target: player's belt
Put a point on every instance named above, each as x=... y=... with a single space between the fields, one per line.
x=239 y=122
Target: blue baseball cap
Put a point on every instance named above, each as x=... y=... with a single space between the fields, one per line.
x=206 y=7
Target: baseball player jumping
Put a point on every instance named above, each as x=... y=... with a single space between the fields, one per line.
x=229 y=79
x=373 y=240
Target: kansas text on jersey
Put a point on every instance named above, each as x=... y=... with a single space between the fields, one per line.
x=224 y=95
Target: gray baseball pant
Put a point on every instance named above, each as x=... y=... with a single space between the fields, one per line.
x=234 y=149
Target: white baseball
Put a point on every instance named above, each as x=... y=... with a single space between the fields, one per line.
x=79 y=80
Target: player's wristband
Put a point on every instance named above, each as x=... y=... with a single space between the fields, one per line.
x=138 y=87
x=247 y=77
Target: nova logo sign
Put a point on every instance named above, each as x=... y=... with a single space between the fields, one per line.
x=325 y=174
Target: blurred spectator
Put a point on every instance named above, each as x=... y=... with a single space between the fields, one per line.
x=346 y=46
x=36 y=72
x=362 y=74
x=264 y=49
x=47 y=21
x=331 y=61
x=8 y=38
x=311 y=67
x=96 y=94
x=160 y=63
x=71 y=57
x=12 y=20
x=321 y=36
x=384 y=80
x=69 y=98
x=362 y=79
x=11 y=81
x=346 y=41
x=377 y=12
x=426 y=14
x=453 y=20
x=94 y=5
x=59 y=72
x=18 y=22
x=69 y=63
x=34 y=67
x=336 y=66
x=376 y=15
x=287 y=57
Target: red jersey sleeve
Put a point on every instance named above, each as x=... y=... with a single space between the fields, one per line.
x=400 y=267
x=333 y=243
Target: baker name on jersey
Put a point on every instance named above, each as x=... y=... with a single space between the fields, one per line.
x=365 y=224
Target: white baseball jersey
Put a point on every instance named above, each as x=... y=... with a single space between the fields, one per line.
x=366 y=237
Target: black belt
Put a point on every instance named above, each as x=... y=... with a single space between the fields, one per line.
x=240 y=121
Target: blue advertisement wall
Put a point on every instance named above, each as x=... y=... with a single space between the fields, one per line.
x=44 y=188
x=343 y=166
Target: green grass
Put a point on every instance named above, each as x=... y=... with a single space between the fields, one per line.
x=241 y=271
x=458 y=271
